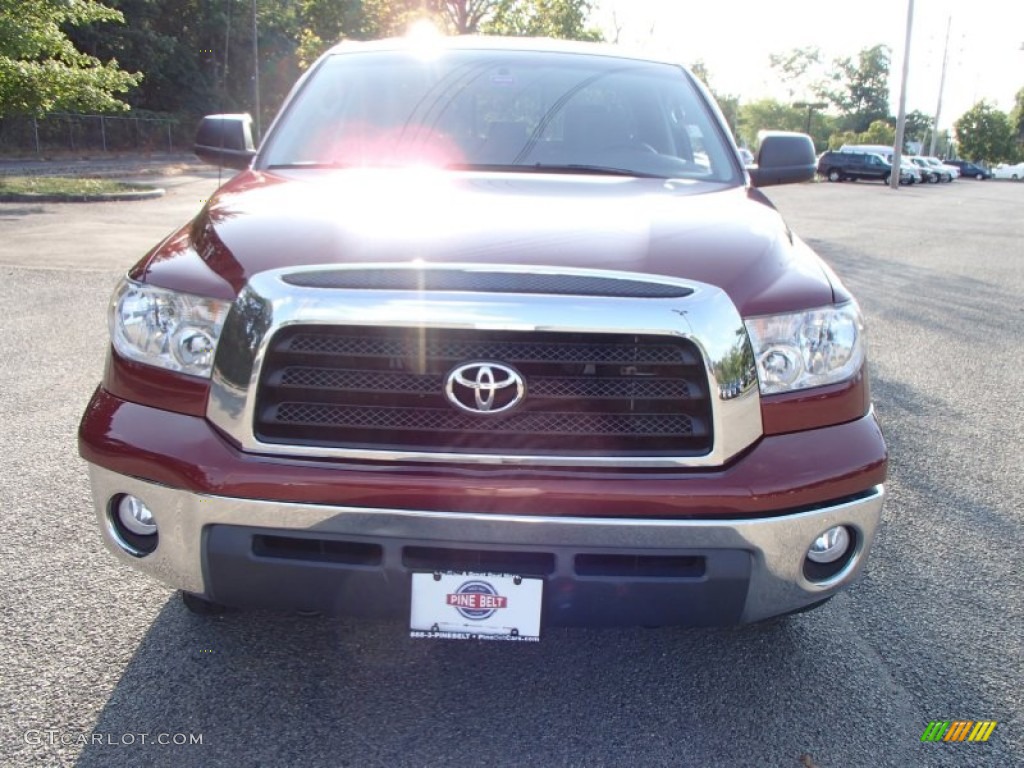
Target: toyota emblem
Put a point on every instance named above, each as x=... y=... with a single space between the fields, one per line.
x=484 y=388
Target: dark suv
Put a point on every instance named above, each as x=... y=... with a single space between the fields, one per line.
x=970 y=170
x=840 y=166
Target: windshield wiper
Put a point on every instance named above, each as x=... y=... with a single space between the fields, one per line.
x=305 y=164
x=597 y=170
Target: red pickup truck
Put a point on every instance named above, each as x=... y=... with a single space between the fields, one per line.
x=491 y=335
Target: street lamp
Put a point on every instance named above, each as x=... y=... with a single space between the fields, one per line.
x=810 y=106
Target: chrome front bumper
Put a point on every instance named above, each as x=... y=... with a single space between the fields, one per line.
x=776 y=545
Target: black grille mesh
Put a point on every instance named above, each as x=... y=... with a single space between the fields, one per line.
x=418 y=419
x=384 y=389
x=565 y=352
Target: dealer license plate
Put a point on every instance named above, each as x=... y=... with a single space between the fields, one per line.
x=485 y=606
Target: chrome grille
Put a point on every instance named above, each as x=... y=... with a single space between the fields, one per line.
x=383 y=389
x=483 y=281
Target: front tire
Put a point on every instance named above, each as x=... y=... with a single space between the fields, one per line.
x=835 y=175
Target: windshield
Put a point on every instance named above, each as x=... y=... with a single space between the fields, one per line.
x=509 y=110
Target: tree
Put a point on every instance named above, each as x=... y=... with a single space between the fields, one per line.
x=918 y=126
x=984 y=134
x=465 y=16
x=388 y=18
x=566 y=19
x=860 y=88
x=198 y=54
x=768 y=115
x=41 y=70
x=727 y=103
x=880 y=132
x=1017 y=121
x=802 y=71
x=534 y=18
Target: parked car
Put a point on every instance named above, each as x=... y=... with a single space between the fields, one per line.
x=844 y=166
x=476 y=340
x=952 y=170
x=930 y=173
x=970 y=170
x=1004 y=171
x=914 y=174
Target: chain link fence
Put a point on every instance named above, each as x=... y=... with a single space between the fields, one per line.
x=74 y=133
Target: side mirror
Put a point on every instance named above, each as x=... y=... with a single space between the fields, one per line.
x=225 y=140
x=784 y=158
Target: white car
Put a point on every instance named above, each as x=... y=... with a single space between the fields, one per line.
x=930 y=172
x=952 y=170
x=1004 y=171
x=911 y=170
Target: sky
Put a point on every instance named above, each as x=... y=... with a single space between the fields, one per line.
x=735 y=37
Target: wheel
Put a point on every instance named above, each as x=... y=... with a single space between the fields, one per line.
x=885 y=179
x=200 y=606
x=934 y=178
x=835 y=175
x=980 y=176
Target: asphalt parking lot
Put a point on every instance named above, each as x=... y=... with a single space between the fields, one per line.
x=101 y=666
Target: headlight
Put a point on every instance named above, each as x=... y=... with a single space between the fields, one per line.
x=165 y=328
x=807 y=349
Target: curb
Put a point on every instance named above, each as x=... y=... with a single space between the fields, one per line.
x=108 y=197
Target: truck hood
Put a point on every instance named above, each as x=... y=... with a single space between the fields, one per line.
x=726 y=236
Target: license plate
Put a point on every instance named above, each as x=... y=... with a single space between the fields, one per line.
x=485 y=606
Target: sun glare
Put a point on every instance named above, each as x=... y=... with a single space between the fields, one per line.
x=424 y=39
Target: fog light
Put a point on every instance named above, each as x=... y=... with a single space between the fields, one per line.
x=830 y=545
x=136 y=516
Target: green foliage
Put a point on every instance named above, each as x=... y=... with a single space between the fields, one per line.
x=62 y=186
x=388 y=18
x=860 y=88
x=838 y=106
x=1017 y=117
x=837 y=140
x=769 y=115
x=727 y=103
x=918 y=126
x=566 y=19
x=802 y=70
x=985 y=134
x=41 y=70
x=773 y=115
x=465 y=17
x=534 y=18
x=879 y=132
x=730 y=106
x=198 y=54
x=699 y=68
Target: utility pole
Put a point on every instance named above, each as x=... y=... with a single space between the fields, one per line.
x=901 y=119
x=942 y=87
x=256 y=70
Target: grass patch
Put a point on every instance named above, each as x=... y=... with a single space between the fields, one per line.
x=62 y=186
